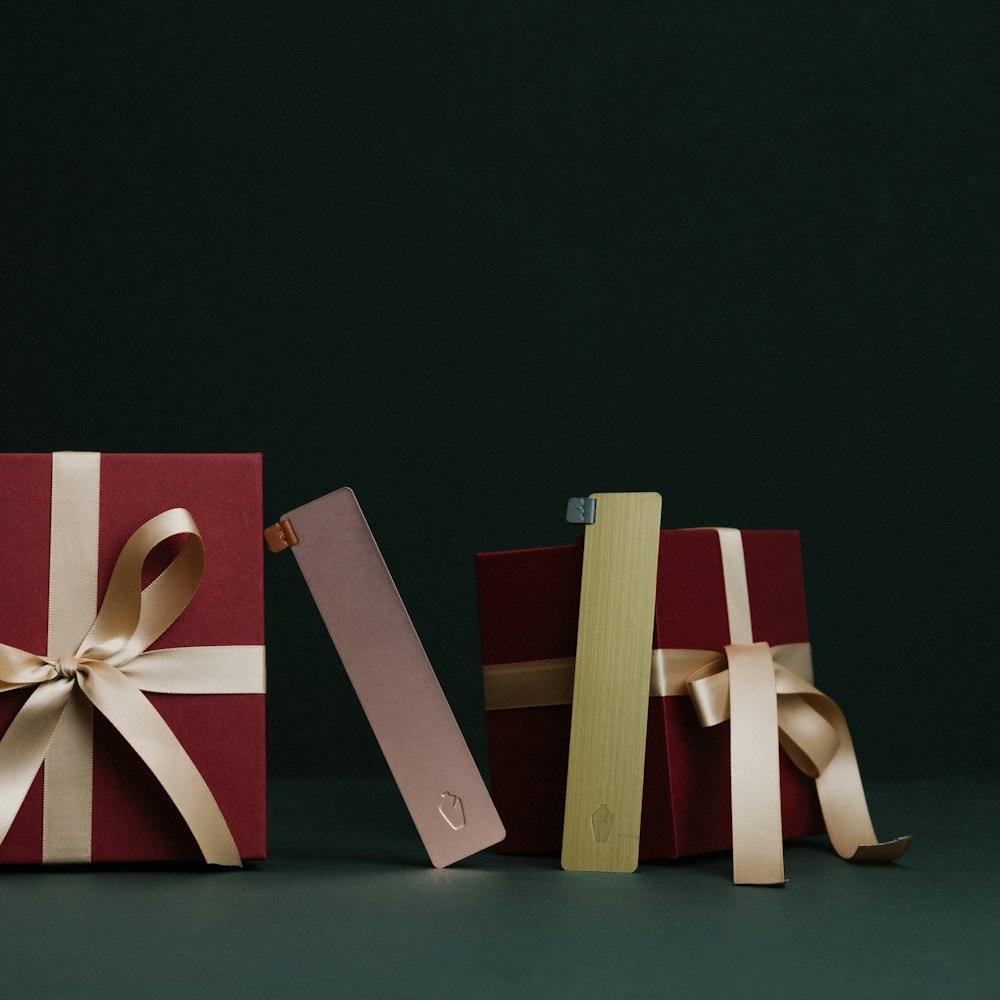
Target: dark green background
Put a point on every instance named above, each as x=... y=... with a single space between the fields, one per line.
x=472 y=259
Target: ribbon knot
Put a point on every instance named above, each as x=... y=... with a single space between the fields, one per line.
x=66 y=666
x=131 y=618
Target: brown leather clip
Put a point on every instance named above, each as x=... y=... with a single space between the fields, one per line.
x=280 y=536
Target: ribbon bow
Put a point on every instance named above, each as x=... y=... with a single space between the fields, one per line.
x=108 y=670
x=767 y=705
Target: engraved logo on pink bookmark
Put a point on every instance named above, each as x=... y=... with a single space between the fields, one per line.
x=452 y=810
x=393 y=678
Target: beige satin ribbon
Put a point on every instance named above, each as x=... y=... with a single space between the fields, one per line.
x=813 y=732
x=537 y=683
x=767 y=694
x=73 y=550
x=755 y=787
x=109 y=669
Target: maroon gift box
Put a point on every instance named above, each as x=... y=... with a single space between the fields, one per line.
x=528 y=607
x=132 y=818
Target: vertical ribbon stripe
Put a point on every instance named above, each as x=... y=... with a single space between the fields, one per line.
x=75 y=523
x=69 y=785
x=753 y=734
x=73 y=550
x=756 y=788
x=734 y=576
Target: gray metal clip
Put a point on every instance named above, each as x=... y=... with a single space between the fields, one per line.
x=581 y=510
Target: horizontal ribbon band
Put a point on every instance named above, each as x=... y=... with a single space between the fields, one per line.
x=536 y=683
x=109 y=670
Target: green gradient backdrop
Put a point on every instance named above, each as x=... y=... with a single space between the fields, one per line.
x=474 y=259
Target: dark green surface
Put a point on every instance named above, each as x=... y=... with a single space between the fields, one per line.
x=472 y=259
x=349 y=908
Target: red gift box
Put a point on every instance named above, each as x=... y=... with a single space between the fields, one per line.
x=528 y=609
x=132 y=817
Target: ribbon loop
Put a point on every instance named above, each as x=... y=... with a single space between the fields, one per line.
x=132 y=618
x=18 y=668
x=708 y=689
x=129 y=620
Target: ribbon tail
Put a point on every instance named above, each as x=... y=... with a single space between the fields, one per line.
x=132 y=714
x=25 y=744
x=814 y=734
x=758 y=853
x=842 y=799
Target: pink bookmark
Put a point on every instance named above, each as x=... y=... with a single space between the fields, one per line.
x=393 y=678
